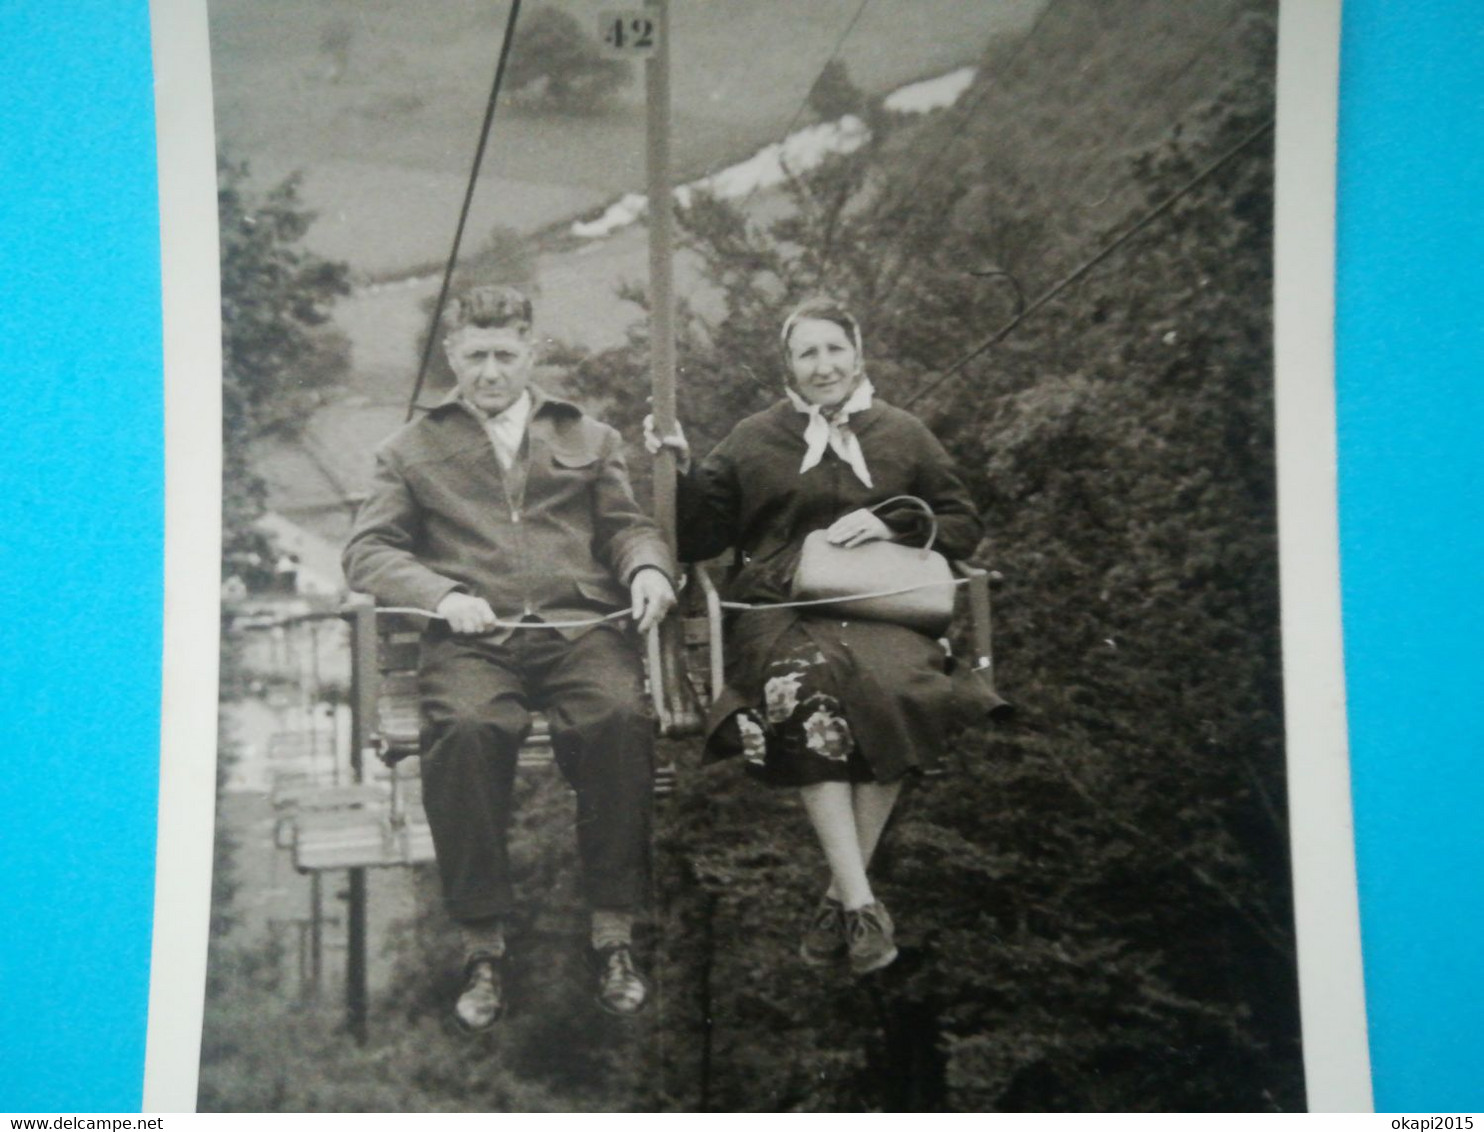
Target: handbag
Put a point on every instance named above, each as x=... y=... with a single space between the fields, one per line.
x=910 y=586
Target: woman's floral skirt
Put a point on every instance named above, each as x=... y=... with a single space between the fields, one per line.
x=799 y=735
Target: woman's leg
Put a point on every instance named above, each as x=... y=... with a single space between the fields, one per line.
x=867 y=929
x=832 y=814
x=871 y=804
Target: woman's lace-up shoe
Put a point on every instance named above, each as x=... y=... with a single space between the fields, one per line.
x=824 y=939
x=868 y=938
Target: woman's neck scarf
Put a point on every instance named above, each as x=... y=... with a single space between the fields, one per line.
x=831 y=429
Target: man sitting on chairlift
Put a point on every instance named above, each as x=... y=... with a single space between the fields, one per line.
x=502 y=506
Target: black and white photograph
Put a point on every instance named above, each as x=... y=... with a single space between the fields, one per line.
x=749 y=561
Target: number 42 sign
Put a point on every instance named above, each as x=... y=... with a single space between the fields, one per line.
x=629 y=33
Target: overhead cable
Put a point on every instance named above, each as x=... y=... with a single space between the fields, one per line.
x=458 y=236
x=1066 y=281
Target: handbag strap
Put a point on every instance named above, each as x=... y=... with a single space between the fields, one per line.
x=921 y=506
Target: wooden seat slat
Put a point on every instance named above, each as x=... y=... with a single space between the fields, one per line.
x=359 y=839
x=307 y=797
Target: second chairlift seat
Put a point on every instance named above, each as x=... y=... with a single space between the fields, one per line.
x=398 y=711
x=380 y=822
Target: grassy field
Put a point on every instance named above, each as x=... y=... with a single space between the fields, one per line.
x=379 y=103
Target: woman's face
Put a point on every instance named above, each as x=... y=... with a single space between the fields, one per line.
x=826 y=368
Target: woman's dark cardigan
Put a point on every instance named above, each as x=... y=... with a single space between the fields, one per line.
x=748 y=495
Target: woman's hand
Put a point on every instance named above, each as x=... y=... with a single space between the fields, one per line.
x=858 y=527
x=676 y=440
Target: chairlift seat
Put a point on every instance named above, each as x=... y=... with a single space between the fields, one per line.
x=360 y=838
x=297 y=796
x=382 y=823
x=398 y=708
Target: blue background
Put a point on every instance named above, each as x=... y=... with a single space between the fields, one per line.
x=81 y=491
x=81 y=559
x=1410 y=387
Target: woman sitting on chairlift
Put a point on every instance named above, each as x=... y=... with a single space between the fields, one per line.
x=843 y=709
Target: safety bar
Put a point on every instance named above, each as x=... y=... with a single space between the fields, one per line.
x=981 y=635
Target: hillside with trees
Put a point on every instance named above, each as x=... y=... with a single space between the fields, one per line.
x=1095 y=903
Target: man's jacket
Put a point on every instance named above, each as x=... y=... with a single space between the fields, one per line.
x=559 y=542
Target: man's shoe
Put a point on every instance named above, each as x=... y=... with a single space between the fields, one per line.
x=868 y=938
x=482 y=1000
x=823 y=944
x=621 y=989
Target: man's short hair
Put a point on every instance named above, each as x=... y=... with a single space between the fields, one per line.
x=488 y=307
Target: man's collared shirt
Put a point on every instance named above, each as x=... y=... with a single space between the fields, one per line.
x=507 y=428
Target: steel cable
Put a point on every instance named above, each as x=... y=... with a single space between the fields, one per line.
x=458 y=236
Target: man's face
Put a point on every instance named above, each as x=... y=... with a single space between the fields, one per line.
x=492 y=365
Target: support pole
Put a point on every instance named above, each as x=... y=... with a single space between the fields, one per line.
x=316 y=934
x=680 y=711
x=661 y=265
x=355 y=958
x=314 y=699
x=303 y=933
x=363 y=679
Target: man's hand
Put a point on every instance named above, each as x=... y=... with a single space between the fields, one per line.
x=858 y=527
x=653 y=597
x=466 y=613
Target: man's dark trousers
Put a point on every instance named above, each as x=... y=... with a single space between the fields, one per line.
x=477 y=698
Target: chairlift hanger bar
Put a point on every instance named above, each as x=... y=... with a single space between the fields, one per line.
x=458 y=236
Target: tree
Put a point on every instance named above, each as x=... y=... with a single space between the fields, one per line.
x=555 y=65
x=833 y=95
x=280 y=353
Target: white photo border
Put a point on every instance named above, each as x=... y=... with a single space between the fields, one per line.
x=1336 y=1051
x=1321 y=830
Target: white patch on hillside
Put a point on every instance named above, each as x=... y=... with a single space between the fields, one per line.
x=930 y=94
x=800 y=152
x=771 y=166
x=768 y=168
x=620 y=214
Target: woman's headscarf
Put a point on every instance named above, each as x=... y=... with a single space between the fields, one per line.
x=831 y=430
